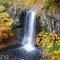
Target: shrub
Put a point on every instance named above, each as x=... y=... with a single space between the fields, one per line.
x=5 y=25
x=50 y=43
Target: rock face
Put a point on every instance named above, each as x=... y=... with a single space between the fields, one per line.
x=18 y=15
x=51 y=22
x=15 y=13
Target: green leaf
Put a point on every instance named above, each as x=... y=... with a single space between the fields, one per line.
x=2 y=8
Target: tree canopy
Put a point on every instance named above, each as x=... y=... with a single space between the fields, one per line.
x=23 y=4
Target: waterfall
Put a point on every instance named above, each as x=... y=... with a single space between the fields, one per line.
x=28 y=50
x=29 y=31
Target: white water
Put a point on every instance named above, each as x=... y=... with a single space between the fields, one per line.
x=29 y=32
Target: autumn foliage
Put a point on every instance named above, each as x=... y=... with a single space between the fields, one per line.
x=50 y=43
x=5 y=25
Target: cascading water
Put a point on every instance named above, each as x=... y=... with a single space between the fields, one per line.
x=29 y=32
x=28 y=50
